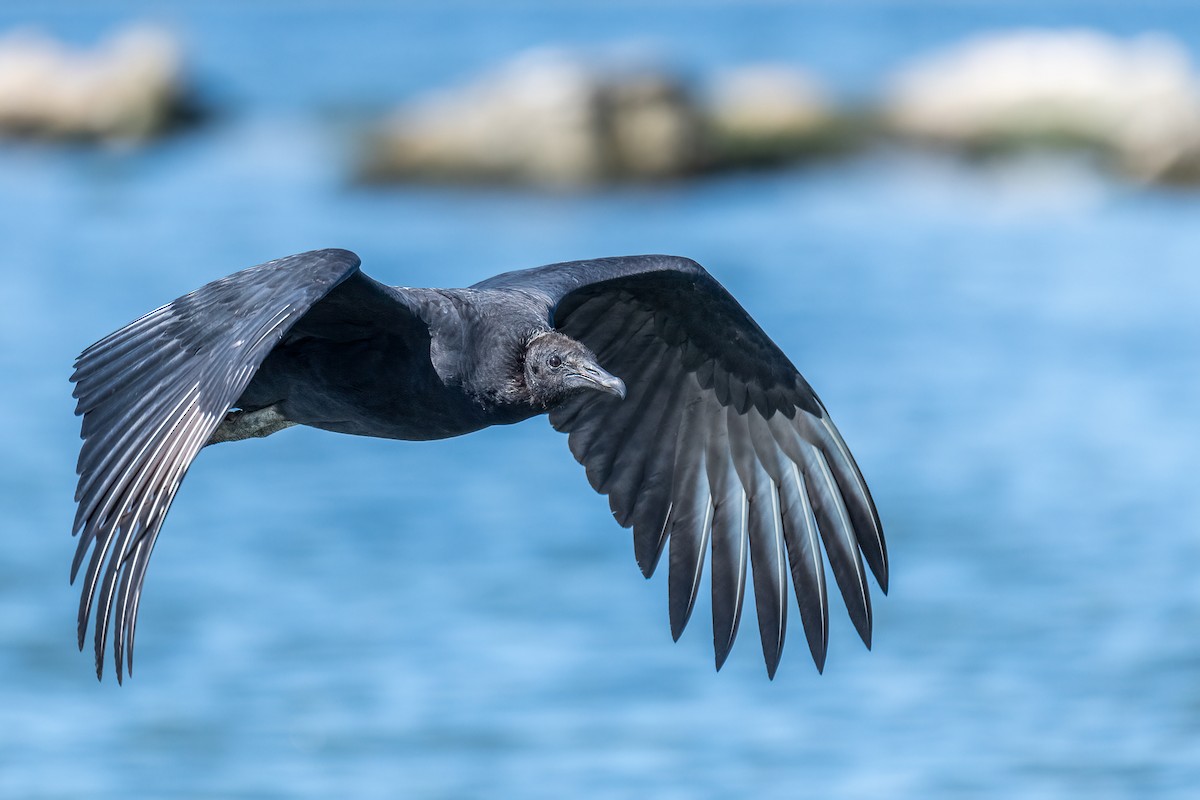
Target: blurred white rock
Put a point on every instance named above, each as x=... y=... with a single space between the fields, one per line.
x=1137 y=99
x=771 y=113
x=559 y=119
x=767 y=100
x=547 y=118
x=129 y=87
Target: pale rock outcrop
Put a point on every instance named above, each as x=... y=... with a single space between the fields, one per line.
x=129 y=87
x=764 y=113
x=545 y=118
x=555 y=119
x=1136 y=100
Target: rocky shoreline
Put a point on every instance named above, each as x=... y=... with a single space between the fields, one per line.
x=560 y=119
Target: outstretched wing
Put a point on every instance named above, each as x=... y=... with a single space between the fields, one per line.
x=151 y=395
x=719 y=445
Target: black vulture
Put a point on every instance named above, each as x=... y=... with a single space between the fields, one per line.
x=682 y=410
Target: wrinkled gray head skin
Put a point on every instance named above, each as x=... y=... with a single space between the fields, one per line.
x=558 y=367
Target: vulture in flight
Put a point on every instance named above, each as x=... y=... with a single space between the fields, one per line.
x=682 y=410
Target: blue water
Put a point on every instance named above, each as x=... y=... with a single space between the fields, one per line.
x=1012 y=351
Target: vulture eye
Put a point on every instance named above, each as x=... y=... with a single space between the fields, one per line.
x=555 y=362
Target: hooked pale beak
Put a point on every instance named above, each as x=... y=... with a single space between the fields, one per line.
x=594 y=377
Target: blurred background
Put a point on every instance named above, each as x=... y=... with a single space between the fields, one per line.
x=973 y=226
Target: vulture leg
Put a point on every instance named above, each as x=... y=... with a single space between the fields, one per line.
x=239 y=425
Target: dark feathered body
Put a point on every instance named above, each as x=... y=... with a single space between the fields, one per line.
x=452 y=374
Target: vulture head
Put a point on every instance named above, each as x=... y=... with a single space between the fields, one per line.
x=557 y=367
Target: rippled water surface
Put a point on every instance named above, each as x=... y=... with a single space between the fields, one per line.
x=1012 y=351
